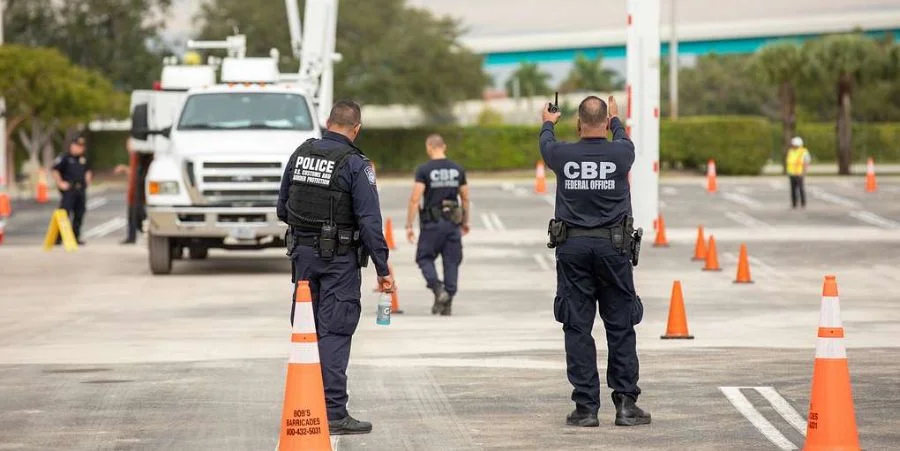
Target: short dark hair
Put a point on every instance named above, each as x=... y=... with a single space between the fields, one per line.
x=592 y=111
x=345 y=113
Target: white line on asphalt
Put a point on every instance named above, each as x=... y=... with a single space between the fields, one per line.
x=662 y=204
x=743 y=405
x=497 y=223
x=820 y=194
x=742 y=199
x=872 y=218
x=539 y=259
x=106 y=228
x=550 y=200
x=743 y=189
x=96 y=202
x=783 y=408
x=669 y=191
x=552 y=260
x=762 y=265
x=487 y=222
x=745 y=219
x=776 y=185
x=507 y=186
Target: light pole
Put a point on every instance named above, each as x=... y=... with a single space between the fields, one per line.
x=3 y=169
x=673 y=64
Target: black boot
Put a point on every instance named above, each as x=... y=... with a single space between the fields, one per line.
x=447 y=307
x=627 y=412
x=348 y=425
x=583 y=418
x=441 y=297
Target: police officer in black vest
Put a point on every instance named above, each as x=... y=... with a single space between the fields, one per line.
x=72 y=172
x=443 y=220
x=596 y=247
x=329 y=199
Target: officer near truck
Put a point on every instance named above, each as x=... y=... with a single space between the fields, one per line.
x=329 y=200
x=596 y=247
x=441 y=187
x=72 y=173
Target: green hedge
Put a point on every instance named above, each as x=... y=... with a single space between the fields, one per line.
x=739 y=144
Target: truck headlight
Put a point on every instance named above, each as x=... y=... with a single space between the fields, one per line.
x=164 y=187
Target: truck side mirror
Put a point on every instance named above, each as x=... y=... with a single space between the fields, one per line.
x=140 y=127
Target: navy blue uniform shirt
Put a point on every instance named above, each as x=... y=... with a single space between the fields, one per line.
x=592 y=176
x=442 y=179
x=358 y=178
x=71 y=168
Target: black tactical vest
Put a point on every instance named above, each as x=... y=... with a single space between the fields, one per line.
x=314 y=197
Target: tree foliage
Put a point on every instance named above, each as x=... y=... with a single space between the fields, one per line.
x=391 y=53
x=531 y=79
x=110 y=36
x=590 y=75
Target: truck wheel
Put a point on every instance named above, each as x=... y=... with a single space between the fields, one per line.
x=198 y=253
x=160 y=254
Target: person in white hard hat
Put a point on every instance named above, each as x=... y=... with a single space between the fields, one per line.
x=797 y=164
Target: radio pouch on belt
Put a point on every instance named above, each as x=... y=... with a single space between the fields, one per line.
x=451 y=211
x=556 y=231
x=328 y=235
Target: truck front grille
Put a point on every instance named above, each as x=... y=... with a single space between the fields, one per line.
x=226 y=182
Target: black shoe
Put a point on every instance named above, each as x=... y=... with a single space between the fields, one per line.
x=441 y=298
x=582 y=418
x=128 y=241
x=348 y=425
x=627 y=413
x=80 y=243
x=447 y=307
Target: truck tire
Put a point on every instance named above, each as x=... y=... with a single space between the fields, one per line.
x=198 y=253
x=160 y=254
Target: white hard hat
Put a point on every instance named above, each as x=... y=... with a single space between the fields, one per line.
x=797 y=141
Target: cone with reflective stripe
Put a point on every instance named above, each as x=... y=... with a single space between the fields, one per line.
x=677 y=326
x=395 y=298
x=389 y=234
x=41 y=195
x=711 y=184
x=700 y=247
x=871 y=186
x=5 y=207
x=831 y=424
x=660 y=240
x=743 y=270
x=712 y=260
x=540 y=179
x=304 y=420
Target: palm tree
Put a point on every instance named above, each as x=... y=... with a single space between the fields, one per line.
x=532 y=81
x=843 y=61
x=590 y=75
x=783 y=64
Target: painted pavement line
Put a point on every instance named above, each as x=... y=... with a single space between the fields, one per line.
x=745 y=407
x=106 y=228
x=876 y=220
x=497 y=223
x=669 y=191
x=487 y=222
x=539 y=259
x=743 y=200
x=783 y=408
x=96 y=203
x=746 y=220
x=821 y=194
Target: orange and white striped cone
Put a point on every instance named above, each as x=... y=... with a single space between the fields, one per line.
x=711 y=183
x=871 y=185
x=831 y=424
x=41 y=195
x=540 y=178
x=304 y=419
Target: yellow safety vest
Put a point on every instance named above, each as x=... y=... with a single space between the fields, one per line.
x=795 y=159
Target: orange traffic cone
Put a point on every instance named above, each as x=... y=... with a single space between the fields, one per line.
x=743 y=270
x=389 y=234
x=395 y=298
x=5 y=207
x=304 y=420
x=540 y=180
x=2 y=232
x=700 y=247
x=711 y=184
x=41 y=196
x=661 y=240
x=871 y=186
x=712 y=260
x=832 y=421
x=677 y=327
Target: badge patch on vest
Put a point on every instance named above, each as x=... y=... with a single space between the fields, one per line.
x=314 y=171
x=371 y=175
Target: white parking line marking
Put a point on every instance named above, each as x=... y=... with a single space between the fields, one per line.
x=821 y=194
x=487 y=222
x=550 y=200
x=743 y=189
x=669 y=191
x=743 y=405
x=497 y=223
x=539 y=259
x=106 y=228
x=872 y=218
x=746 y=220
x=742 y=199
x=96 y=203
x=551 y=259
x=783 y=408
x=774 y=184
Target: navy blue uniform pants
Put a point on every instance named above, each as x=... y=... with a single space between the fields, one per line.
x=335 y=287
x=593 y=275
x=74 y=202
x=442 y=238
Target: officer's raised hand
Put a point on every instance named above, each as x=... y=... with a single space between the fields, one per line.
x=613 y=107
x=546 y=115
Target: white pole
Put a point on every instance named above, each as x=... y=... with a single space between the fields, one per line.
x=4 y=171
x=673 y=64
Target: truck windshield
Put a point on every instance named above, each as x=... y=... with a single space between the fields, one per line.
x=245 y=111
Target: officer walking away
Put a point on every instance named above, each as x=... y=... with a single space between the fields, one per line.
x=596 y=246
x=329 y=200
x=797 y=164
x=72 y=173
x=440 y=186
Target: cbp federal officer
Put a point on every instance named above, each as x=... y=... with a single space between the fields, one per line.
x=72 y=172
x=596 y=247
x=329 y=199
x=443 y=215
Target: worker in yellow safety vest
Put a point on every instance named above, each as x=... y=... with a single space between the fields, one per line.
x=797 y=164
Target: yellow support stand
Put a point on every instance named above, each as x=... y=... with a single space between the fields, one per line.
x=60 y=225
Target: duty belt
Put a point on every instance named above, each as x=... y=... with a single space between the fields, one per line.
x=594 y=233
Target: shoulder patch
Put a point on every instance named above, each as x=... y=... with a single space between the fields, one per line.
x=370 y=174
